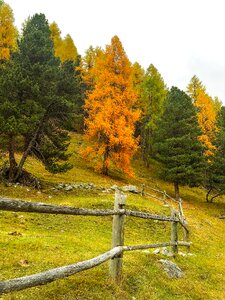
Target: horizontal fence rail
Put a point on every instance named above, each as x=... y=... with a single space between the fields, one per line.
x=43 y=278
x=163 y=193
x=38 y=207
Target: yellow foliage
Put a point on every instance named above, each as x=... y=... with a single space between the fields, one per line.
x=8 y=32
x=64 y=48
x=69 y=50
x=207 y=112
x=56 y=37
x=207 y=121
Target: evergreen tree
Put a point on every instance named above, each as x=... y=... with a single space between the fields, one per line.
x=41 y=108
x=178 y=147
x=216 y=165
x=153 y=92
x=14 y=114
x=71 y=83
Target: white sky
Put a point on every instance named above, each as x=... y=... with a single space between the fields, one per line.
x=179 y=37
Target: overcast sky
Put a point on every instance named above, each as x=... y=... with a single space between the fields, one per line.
x=179 y=37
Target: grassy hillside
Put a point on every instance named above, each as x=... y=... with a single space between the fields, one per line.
x=30 y=243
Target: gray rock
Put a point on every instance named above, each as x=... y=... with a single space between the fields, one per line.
x=182 y=253
x=145 y=251
x=60 y=186
x=114 y=187
x=172 y=270
x=130 y=188
x=156 y=251
x=68 y=188
x=165 y=251
x=106 y=190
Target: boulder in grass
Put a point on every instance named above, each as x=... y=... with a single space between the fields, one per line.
x=172 y=270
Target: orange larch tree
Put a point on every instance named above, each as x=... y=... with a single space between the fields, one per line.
x=110 y=108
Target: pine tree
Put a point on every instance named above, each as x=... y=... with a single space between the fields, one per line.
x=109 y=105
x=72 y=85
x=178 y=146
x=40 y=107
x=216 y=165
x=154 y=92
x=12 y=112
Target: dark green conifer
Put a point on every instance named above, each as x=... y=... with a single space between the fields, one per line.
x=215 y=183
x=40 y=102
x=177 y=144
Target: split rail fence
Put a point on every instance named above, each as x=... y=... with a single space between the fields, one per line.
x=115 y=255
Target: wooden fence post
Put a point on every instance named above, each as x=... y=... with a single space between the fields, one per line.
x=174 y=233
x=118 y=236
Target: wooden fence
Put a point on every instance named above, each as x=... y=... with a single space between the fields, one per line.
x=115 y=254
x=171 y=203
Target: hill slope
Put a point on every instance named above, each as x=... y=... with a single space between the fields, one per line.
x=31 y=243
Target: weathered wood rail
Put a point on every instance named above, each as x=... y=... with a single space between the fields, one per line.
x=167 y=200
x=115 y=254
x=38 y=207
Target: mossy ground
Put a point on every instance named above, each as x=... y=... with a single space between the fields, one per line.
x=31 y=243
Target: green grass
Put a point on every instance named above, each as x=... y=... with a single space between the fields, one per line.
x=42 y=242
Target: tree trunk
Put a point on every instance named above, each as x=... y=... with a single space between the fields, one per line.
x=207 y=194
x=12 y=160
x=215 y=196
x=105 y=169
x=177 y=192
x=31 y=143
